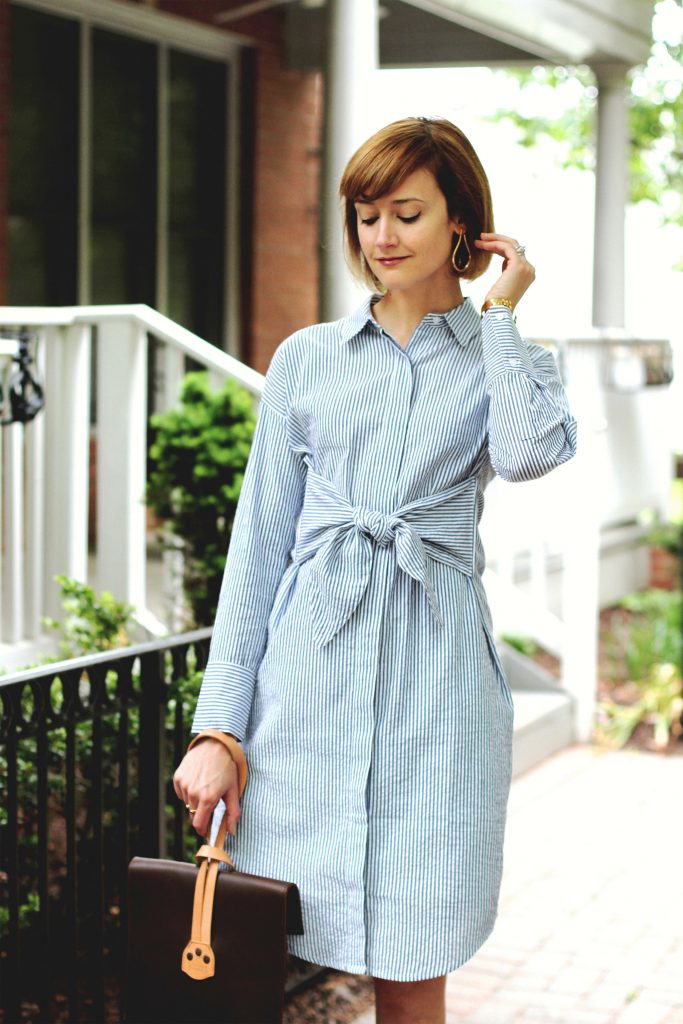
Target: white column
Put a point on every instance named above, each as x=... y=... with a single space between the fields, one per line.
x=584 y=483
x=121 y=459
x=611 y=177
x=13 y=579
x=67 y=439
x=36 y=504
x=352 y=57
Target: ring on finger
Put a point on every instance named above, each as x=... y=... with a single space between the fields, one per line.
x=520 y=249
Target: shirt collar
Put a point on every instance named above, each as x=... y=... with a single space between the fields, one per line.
x=350 y=326
x=464 y=322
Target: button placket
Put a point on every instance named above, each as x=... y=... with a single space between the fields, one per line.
x=401 y=423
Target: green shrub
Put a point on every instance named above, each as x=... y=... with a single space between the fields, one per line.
x=660 y=705
x=666 y=535
x=522 y=643
x=93 y=622
x=654 y=633
x=198 y=457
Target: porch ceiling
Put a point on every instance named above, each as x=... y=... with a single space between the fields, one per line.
x=424 y=33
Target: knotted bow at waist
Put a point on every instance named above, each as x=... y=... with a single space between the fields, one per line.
x=340 y=539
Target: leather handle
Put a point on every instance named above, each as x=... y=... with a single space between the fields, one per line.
x=198 y=960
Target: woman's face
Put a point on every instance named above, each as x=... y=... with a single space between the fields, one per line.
x=407 y=236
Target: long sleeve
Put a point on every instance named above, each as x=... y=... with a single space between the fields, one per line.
x=262 y=539
x=531 y=429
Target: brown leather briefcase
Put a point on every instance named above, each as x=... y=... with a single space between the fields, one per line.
x=206 y=946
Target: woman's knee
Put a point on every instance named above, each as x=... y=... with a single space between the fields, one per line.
x=410 y=1000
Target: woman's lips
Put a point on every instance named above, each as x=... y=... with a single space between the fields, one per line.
x=391 y=261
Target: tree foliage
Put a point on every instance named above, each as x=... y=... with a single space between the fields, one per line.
x=655 y=111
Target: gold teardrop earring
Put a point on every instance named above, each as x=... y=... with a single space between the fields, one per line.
x=459 y=264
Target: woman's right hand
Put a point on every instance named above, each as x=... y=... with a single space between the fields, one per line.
x=206 y=775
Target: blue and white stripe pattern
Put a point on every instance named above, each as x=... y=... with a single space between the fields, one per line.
x=352 y=650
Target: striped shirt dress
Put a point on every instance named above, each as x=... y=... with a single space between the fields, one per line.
x=352 y=651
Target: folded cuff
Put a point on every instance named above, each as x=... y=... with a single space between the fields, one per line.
x=225 y=699
x=504 y=349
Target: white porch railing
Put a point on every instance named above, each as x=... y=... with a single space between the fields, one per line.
x=46 y=464
x=547 y=532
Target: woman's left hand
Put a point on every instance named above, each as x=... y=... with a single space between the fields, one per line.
x=518 y=274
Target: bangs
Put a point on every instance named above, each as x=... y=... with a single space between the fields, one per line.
x=382 y=169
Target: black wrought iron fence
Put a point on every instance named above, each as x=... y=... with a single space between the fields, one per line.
x=87 y=751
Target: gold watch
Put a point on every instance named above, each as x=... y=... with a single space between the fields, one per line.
x=497 y=302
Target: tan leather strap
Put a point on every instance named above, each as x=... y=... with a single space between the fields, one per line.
x=214 y=853
x=234 y=748
x=197 y=934
x=198 y=960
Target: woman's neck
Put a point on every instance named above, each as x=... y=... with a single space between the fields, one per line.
x=400 y=312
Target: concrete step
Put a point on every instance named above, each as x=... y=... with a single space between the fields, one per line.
x=544 y=712
x=544 y=724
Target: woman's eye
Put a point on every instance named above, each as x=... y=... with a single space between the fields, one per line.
x=368 y=221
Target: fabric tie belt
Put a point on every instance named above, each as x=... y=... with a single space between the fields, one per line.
x=340 y=539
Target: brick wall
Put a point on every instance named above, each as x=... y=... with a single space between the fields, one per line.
x=283 y=249
x=285 y=227
x=4 y=139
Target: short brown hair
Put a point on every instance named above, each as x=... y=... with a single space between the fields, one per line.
x=395 y=152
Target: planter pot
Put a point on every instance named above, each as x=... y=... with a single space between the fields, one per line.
x=665 y=568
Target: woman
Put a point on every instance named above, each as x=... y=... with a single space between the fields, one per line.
x=352 y=654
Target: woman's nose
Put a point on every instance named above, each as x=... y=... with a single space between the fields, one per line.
x=386 y=234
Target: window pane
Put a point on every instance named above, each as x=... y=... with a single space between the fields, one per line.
x=197 y=172
x=43 y=159
x=124 y=169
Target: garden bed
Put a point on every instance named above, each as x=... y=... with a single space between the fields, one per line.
x=637 y=639
x=631 y=641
